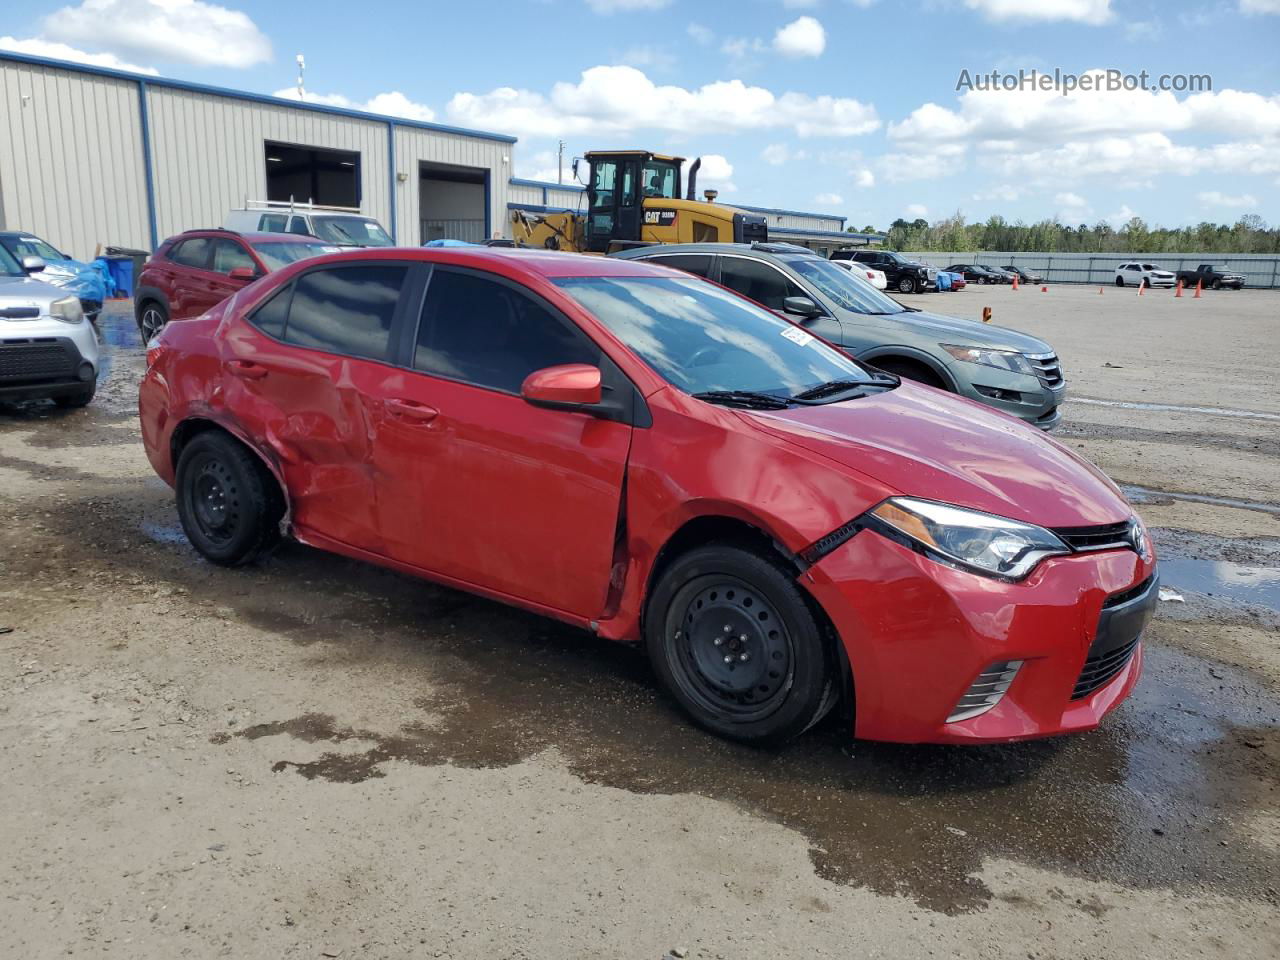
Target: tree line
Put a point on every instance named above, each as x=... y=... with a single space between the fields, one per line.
x=1249 y=234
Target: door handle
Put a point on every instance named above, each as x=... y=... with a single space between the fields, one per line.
x=411 y=410
x=245 y=369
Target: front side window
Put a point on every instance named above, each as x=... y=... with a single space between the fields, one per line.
x=845 y=289
x=759 y=281
x=192 y=253
x=701 y=338
x=659 y=179
x=486 y=333
x=346 y=310
x=9 y=265
x=228 y=255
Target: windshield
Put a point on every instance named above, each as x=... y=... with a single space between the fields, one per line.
x=28 y=246
x=845 y=288
x=277 y=255
x=9 y=266
x=360 y=231
x=702 y=338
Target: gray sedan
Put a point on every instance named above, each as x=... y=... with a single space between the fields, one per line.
x=1002 y=368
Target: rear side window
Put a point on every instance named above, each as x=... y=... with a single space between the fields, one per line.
x=272 y=223
x=270 y=318
x=192 y=253
x=299 y=226
x=697 y=264
x=346 y=310
x=759 y=281
x=484 y=332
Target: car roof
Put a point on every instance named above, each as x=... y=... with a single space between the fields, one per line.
x=528 y=261
x=754 y=250
x=263 y=237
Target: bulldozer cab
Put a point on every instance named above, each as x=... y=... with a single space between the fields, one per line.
x=617 y=186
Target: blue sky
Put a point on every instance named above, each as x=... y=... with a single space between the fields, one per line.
x=843 y=106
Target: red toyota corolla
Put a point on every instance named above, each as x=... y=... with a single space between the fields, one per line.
x=655 y=459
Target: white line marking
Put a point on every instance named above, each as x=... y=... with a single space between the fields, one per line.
x=1175 y=408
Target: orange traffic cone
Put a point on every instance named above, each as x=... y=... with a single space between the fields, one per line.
x=1044 y=289
x=1142 y=287
x=1199 y=287
x=1099 y=290
x=1015 y=281
x=1178 y=290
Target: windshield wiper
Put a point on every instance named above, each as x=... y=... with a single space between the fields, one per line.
x=832 y=387
x=745 y=398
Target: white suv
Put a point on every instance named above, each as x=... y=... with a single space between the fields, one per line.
x=1137 y=274
x=339 y=226
x=47 y=347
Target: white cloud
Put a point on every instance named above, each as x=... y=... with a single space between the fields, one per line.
x=1259 y=7
x=941 y=161
x=802 y=37
x=716 y=172
x=190 y=31
x=864 y=178
x=737 y=48
x=34 y=46
x=618 y=99
x=775 y=154
x=1005 y=191
x=864 y=4
x=1079 y=11
x=658 y=58
x=1137 y=157
x=828 y=199
x=701 y=35
x=1068 y=199
x=626 y=6
x=1121 y=216
x=1216 y=198
x=800 y=4
x=393 y=103
x=917 y=210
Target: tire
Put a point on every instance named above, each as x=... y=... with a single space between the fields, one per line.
x=906 y=285
x=782 y=678
x=910 y=370
x=229 y=504
x=1217 y=285
x=81 y=398
x=1119 y=281
x=152 y=317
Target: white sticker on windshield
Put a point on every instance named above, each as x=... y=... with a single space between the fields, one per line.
x=331 y=249
x=796 y=335
x=28 y=240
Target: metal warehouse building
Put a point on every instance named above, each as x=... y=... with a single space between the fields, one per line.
x=95 y=157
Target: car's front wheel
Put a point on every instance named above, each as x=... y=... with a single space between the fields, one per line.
x=1217 y=285
x=734 y=640
x=1119 y=281
x=228 y=502
x=906 y=285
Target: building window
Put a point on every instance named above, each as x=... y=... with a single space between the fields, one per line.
x=327 y=178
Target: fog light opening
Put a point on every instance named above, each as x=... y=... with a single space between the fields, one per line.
x=85 y=371
x=986 y=691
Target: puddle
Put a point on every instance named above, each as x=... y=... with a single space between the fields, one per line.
x=1223 y=579
x=163 y=532
x=1138 y=495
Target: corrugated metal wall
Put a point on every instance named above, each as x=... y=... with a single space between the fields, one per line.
x=209 y=155
x=414 y=146
x=1259 y=269
x=71 y=164
x=800 y=221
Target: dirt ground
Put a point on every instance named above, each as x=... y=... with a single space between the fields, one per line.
x=316 y=758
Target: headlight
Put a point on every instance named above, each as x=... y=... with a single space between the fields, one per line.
x=996 y=546
x=1001 y=359
x=67 y=310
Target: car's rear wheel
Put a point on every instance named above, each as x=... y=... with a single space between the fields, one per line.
x=229 y=504
x=906 y=285
x=1217 y=284
x=1119 y=281
x=81 y=398
x=152 y=320
x=735 y=642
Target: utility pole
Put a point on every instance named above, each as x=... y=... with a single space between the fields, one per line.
x=560 y=163
x=302 y=66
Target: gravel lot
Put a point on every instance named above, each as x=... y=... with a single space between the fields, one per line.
x=315 y=758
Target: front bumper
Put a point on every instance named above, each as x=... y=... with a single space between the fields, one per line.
x=918 y=634
x=1020 y=395
x=46 y=358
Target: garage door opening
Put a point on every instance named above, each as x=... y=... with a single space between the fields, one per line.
x=327 y=178
x=453 y=202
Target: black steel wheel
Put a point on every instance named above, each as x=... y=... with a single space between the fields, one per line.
x=229 y=504
x=739 y=647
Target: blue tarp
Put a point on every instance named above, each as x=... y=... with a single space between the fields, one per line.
x=449 y=243
x=944 y=280
x=88 y=281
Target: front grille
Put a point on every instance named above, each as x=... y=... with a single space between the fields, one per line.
x=1110 y=536
x=1101 y=668
x=1116 y=599
x=986 y=691
x=1047 y=367
x=36 y=358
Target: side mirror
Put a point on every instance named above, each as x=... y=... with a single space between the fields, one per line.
x=801 y=306
x=32 y=264
x=565 y=387
x=242 y=273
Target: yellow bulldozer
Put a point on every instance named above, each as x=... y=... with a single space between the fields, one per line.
x=633 y=198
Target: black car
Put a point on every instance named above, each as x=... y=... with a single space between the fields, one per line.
x=1211 y=276
x=1024 y=275
x=901 y=274
x=975 y=273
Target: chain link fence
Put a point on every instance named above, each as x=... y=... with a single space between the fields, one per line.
x=1259 y=269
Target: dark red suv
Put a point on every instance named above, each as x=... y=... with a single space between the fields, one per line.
x=197 y=270
x=656 y=459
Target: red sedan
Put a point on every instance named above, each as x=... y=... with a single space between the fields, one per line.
x=655 y=459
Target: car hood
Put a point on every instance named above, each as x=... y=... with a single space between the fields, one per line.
x=926 y=443
x=25 y=290
x=965 y=333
